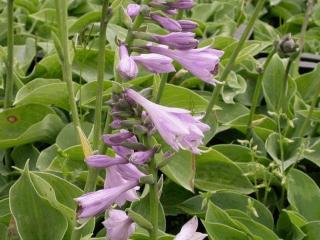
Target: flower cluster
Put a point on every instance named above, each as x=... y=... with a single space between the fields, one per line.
x=179 y=44
x=135 y=119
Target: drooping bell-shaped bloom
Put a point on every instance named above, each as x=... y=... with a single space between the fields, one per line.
x=104 y=161
x=133 y=10
x=120 y=175
x=178 y=40
x=93 y=203
x=118 y=225
x=142 y=157
x=180 y=4
x=171 y=11
x=176 y=126
x=201 y=62
x=189 y=231
x=187 y=25
x=155 y=63
x=127 y=68
x=167 y=23
x=117 y=138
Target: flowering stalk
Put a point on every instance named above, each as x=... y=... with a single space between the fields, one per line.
x=303 y=31
x=228 y=68
x=257 y=91
x=62 y=14
x=153 y=197
x=92 y=175
x=92 y=172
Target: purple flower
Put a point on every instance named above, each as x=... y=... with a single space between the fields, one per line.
x=133 y=10
x=117 y=138
x=181 y=4
x=103 y=161
x=167 y=23
x=155 y=63
x=176 y=126
x=178 y=40
x=171 y=11
x=119 y=226
x=188 y=231
x=93 y=203
x=141 y=157
x=187 y=25
x=201 y=62
x=127 y=68
x=121 y=175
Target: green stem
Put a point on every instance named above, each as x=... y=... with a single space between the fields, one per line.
x=92 y=174
x=8 y=96
x=162 y=85
x=62 y=15
x=282 y=104
x=303 y=31
x=228 y=68
x=256 y=93
x=154 y=200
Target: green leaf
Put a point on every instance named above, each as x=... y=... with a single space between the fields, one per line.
x=83 y=21
x=175 y=96
x=272 y=82
x=312 y=230
x=27 y=124
x=142 y=207
x=219 y=231
x=21 y=154
x=307 y=84
x=253 y=208
x=306 y=203
x=215 y=171
x=45 y=91
x=180 y=169
x=35 y=217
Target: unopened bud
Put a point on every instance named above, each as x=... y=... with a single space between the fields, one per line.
x=287 y=47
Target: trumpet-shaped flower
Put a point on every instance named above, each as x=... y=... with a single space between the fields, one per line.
x=127 y=68
x=189 y=231
x=178 y=40
x=117 y=138
x=167 y=23
x=187 y=25
x=180 y=4
x=176 y=126
x=93 y=203
x=121 y=175
x=201 y=62
x=133 y=10
x=155 y=63
x=119 y=226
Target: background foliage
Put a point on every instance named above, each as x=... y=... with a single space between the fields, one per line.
x=261 y=185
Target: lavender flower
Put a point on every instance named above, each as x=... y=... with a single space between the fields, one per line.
x=133 y=10
x=121 y=175
x=187 y=25
x=127 y=68
x=155 y=63
x=171 y=11
x=176 y=126
x=103 y=161
x=188 y=231
x=180 y=4
x=142 y=157
x=200 y=62
x=93 y=203
x=119 y=226
x=117 y=138
x=167 y=23
x=178 y=40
